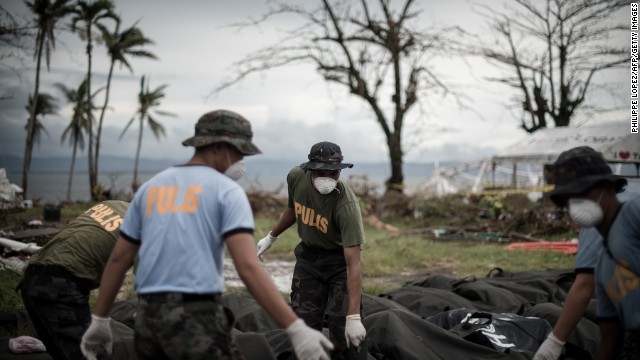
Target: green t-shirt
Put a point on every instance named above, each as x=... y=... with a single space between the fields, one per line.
x=85 y=244
x=330 y=221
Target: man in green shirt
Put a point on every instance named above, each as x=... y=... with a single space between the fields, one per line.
x=56 y=284
x=327 y=277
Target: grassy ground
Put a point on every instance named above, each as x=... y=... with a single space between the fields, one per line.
x=389 y=259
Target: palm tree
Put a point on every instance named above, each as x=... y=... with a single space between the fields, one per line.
x=120 y=45
x=78 y=125
x=45 y=104
x=92 y=13
x=47 y=14
x=147 y=102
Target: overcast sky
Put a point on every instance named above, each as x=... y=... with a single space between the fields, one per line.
x=290 y=108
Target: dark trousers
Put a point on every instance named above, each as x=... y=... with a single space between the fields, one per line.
x=184 y=326
x=58 y=305
x=631 y=346
x=319 y=289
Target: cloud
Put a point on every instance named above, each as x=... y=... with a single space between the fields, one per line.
x=290 y=108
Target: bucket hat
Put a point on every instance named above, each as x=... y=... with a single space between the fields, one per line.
x=224 y=126
x=576 y=170
x=325 y=155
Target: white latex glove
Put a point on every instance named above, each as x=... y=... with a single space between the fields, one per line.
x=265 y=243
x=97 y=339
x=308 y=344
x=354 y=331
x=550 y=349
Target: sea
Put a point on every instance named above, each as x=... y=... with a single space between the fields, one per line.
x=50 y=186
x=48 y=179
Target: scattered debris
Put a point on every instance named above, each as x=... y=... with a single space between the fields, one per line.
x=378 y=224
x=35 y=223
x=18 y=246
x=10 y=194
x=565 y=247
x=14 y=264
x=35 y=233
x=26 y=344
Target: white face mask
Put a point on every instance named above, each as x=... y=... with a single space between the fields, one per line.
x=236 y=170
x=325 y=185
x=584 y=212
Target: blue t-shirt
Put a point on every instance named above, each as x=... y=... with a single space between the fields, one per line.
x=589 y=250
x=180 y=218
x=617 y=280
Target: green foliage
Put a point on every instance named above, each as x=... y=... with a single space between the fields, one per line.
x=10 y=301
x=9 y=298
x=97 y=193
x=447 y=210
x=493 y=204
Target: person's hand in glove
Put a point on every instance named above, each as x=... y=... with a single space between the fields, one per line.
x=354 y=331
x=308 y=344
x=97 y=339
x=265 y=243
x=550 y=349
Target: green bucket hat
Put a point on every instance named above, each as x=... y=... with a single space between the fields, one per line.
x=224 y=126
x=577 y=170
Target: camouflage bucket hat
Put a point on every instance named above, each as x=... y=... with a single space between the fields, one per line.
x=224 y=126
x=325 y=156
x=577 y=170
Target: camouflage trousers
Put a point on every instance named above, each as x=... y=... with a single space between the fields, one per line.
x=631 y=346
x=58 y=305
x=183 y=326
x=319 y=291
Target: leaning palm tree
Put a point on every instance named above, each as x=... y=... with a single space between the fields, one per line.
x=79 y=123
x=45 y=104
x=120 y=45
x=92 y=13
x=47 y=14
x=148 y=101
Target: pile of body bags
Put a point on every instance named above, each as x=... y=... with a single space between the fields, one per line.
x=501 y=316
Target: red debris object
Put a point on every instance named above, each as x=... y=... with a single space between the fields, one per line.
x=569 y=248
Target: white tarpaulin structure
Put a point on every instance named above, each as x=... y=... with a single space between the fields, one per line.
x=614 y=140
x=520 y=165
x=437 y=185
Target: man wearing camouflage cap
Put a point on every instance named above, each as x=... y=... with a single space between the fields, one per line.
x=327 y=276
x=180 y=221
x=585 y=184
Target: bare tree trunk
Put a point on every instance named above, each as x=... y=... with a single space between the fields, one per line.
x=104 y=108
x=31 y=124
x=92 y=174
x=395 y=154
x=395 y=140
x=135 y=183
x=73 y=164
